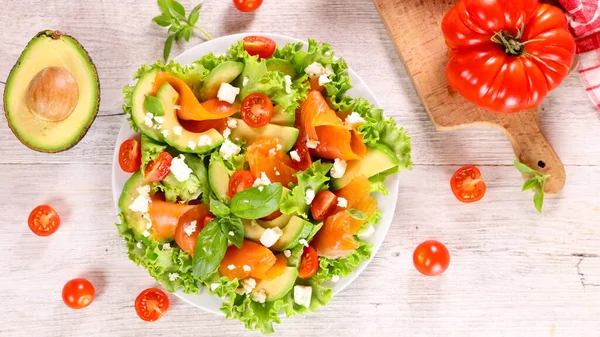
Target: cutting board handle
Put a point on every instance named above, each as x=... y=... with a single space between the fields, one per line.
x=532 y=148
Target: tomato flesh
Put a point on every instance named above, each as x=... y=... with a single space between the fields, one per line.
x=185 y=241
x=78 y=293
x=323 y=205
x=257 y=110
x=43 y=220
x=305 y=160
x=159 y=168
x=151 y=304
x=309 y=263
x=467 y=184
x=130 y=155
x=431 y=258
x=239 y=181
x=259 y=45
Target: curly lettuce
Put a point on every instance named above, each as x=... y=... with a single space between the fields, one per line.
x=314 y=178
x=344 y=266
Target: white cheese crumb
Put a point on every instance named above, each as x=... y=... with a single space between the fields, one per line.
x=277 y=173
x=335 y=278
x=146 y=233
x=294 y=155
x=191 y=144
x=353 y=119
x=159 y=119
x=260 y=296
x=262 y=180
x=191 y=228
x=249 y=284
x=272 y=151
x=204 y=140
x=328 y=70
x=314 y=69
x=226 y=133
x=278 y=147
x=366 y=232
x=177 y=130
x=303 y=242
x=270 y=236
x=148 y=120
x=342 y=202
x=309 y=196
x=231 y=233
x=231 y=267
x=140 y=203
x=173 y=277
x=176 y=107
x=245 y=82
x=165 y=133
x=140 y=245
x=227 y=93
x=287 y=253
x=261 y=188
x=214 y=286
x=324 y=79
x=166 y=246
x=149 y=225
x=232 y=123
x=312 y=144
x=339 y=168
x=229 y=149
x=180 y=169
x=302 y=295
x=246 y=268
x=288 y=83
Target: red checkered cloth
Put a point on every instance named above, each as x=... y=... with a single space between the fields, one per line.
x=584 y=21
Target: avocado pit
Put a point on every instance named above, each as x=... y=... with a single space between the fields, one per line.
x=52 y=94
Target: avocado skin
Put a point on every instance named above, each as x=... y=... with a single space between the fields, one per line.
x=54 y=34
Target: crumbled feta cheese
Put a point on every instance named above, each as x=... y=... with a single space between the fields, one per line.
x=353 y=119
x=148 y=120
x=232 y=123
x=262 y=180
x=277 y=173
x=191 y=144
x=294 y=155
x=261 y=188
x=227 y=93
x=335 y=278
x=312 y=144
x=249 y=284
x=173 y=277
x=166 y=246
x=342 y=202
x=231 y=267
x=165 y=133
x=140 y=245
x=245 y=81
x=229 y=149
x=287 y=253
x=272 y=151
x=309 y=196
x=214 y=286
x=303 y=242
x=226 y=133
x=246 y=268
x=177 y=130
x=204 y=140
x=180 y=169
x=314 y=69
x=149 y=225
x=146 y=233
x=176 y=107
x=366 y=232
x=324 y=79
x=191 y=228
x=231 y=233
x=279 y=147
x=140 y=203
x=159 y=119
x=270 y=236
x=328 y=70
x=339 y=168
x=260 y=296
x=158 y=126
x=302 y=295
x=288 y=83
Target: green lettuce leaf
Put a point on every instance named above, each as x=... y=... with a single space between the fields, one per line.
x=150 y=149
x=234 y=163
x=372 y=221
x=192 y=188
x=344 y=266
x=127 y=96
x=315 y=178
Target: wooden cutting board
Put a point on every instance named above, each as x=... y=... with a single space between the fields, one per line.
x=415 y=27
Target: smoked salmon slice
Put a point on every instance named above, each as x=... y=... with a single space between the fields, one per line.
x=264 y=156
x=278 y=268
x=256 y=258
x=165 y=216
x=358 y=187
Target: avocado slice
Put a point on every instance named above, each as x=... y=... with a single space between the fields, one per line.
x=52 y=93
x=134 y=220
x=283 y=66
x=252 y=231
x=379 y=158
x=225 y=72
x=286 y=135
x=142 y=89
x=281 y=118
x=296 y=230
x=281 y=221
x=279 y=286
x=183 y=140
x=218 y=178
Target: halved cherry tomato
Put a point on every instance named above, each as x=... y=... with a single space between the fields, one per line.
x=43 y=220
x=323 y=205
x=239 y=181
x=151 y=304
x=431 y=258
x=165 y=217
x=257 y=110
x=207 y=219
x=185 y=241
x=259 y=45
x=159 y=168
x=467 y=184
x=305 y=159
x=309 y=263
x=78 y=293
x=130 y=155
x=272 y=216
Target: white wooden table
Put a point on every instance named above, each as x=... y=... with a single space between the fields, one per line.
x=513 y=272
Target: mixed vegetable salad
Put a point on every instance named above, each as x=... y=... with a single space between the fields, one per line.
x=253 y=176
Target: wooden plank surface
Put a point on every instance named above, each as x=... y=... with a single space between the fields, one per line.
x=513 y=272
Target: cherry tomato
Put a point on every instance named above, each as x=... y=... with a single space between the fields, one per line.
x=272 y=216
x=207 y=219
x=323 y=204
x=467 y=184
x=159 y=168
x=259 y=45
x=43 y=220
x=305 y=159
x=239 y=181
x=188 y=242
x=130 y=155
x=151 y=304
x=257 y=110
x=78 y=293
x=431 y=258
x=309 y=263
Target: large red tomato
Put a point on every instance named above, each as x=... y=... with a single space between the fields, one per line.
x=505 y=55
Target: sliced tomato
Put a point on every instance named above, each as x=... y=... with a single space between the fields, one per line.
x=257 y=258
x=203 y=126
x=309 y=263
x=193 y=221
x=43 y=220
x=207 y=219
x=165 y=217
x=272 y=216
x=262 y=46
x=323 y=205
x=159 y=169
x=305 y=159
x=239 y=181
x=130 y=155
x=467 y=184
x=278 y=268
x=257 y=110
x=78 y=293
x=264 y=156
x=151 y=304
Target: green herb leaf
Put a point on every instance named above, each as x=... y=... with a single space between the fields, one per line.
x=177 y=9
x=211 y=246
x=153 y=106
x=538 y=199
x=233 y=225
x=187 y=33
x=162 y=20
x=537 y=180
x=164 y=7
x=531 y=183
x=218 y=208
x=257 y=202
x=357 y=214
x=168 y=45
x=524 y=168
x=194 y=14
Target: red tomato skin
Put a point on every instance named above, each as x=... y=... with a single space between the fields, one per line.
x=239 y=181
x=43 y=220
x=247 y=5
x=262 y=46
x=467 y=184
x=323 y=205
x=257 y=110
x=431 y=258
x=305 y=158
x=78 y=293
x=159 y=168
x=151 y=304
x=130 y=155
x=309 y=263
x=187 y=242
x=481 y=70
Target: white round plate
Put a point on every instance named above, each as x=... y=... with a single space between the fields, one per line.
x=387 y=204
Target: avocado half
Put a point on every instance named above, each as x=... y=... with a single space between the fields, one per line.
x=52 y=93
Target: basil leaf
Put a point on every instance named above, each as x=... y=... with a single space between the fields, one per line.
x=357 y=214
x=524 y=168
x=164 y=7
x=538 y=199
x=177 y=9
x=257 y=202
x=218 y=208
x=168 y=45
x=194 y=14
x=162 y=20
x=153 y=106
x=187 y=33
x=233 y=225
x=531 y=183
x=211 y=246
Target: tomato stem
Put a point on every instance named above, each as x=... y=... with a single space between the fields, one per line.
x=513 y=44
